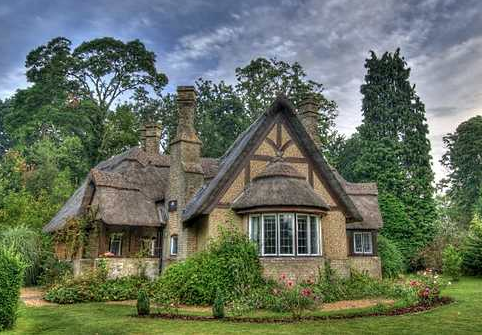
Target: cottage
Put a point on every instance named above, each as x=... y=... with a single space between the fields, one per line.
x=272 y=183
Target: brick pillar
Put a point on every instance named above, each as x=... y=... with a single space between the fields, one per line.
x=308 y=113
x=186 y=175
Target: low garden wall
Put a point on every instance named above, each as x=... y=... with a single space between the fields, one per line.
x=370 y=265
x=120 y=267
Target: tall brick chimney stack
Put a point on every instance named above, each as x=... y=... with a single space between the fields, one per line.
x=150 y=138
x=186 y=174
x=308 y=113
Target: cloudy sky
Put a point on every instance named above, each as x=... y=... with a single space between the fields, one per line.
x=441 y=40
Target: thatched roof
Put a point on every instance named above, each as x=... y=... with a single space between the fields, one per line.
x=233 y=161
x=279 y=185
x=365 y=198
x=127 y=189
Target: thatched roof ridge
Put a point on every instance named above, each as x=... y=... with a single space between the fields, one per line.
x=279 y=185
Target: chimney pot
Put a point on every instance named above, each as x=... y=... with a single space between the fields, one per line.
x=186 y=101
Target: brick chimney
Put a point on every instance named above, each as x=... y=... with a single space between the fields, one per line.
x=308 y=113
x=150 y=138
x=186 y=174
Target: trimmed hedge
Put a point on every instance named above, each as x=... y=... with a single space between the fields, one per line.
x=11 y=279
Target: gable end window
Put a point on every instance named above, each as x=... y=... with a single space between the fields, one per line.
x=285 y=234
x=362 y=243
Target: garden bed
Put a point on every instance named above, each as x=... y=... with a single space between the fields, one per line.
x=384 y=310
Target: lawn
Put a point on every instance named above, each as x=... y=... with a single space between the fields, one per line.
x=461 y=317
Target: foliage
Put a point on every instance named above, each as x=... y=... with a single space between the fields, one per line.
x=392 y=149
x=330 y=287
x=95 y=286
x=11 y=277
x=452 y=263
x=391 y=258
x=472 y=248
x=143 y=303
x=230 y=264
x=463 y=160
x=294 y=297
x=218 y=305
x=428 y=286
x=27 y=244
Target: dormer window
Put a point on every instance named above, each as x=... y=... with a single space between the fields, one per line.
x=285 y=234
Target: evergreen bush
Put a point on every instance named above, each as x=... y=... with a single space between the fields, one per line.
x=391 y=258
x=472 y=248
x=11 y=279
x=143 y=303
x=452 y=263
x=218 y=305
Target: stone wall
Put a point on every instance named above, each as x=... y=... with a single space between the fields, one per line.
x=370 y=265
x=119 y=267
x=295 y=268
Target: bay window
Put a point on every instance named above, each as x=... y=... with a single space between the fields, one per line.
x=285 y=234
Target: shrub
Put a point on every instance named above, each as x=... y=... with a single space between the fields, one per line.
x=27 y=243
x=11 y=277
x=93 y=286
x=331 y=288
x=218 y=305
x=452 y=262
x=472 y=248
x=427 y=287
x=143 y=303
x=391 y=258
x=229 y=264
x=293 y=297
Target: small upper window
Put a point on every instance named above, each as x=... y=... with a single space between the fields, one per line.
x=174 y=245
x=362 y=243
x=115 y=244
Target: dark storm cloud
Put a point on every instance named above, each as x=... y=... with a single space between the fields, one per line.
x=441 y=40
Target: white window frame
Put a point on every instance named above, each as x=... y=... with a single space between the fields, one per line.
x=113 y=236
x=276 y=234
x=294 y=235
x=293 y=229
x=370 y=239
x=171 y=245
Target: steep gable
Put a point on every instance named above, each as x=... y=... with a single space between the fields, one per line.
x=277 y=132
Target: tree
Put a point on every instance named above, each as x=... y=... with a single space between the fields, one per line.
x=394 y=151
x=99 y=71
x=472 y=247
x=262 y=80
x=4 y=136
x=463 y=160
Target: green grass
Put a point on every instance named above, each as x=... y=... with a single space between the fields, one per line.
x=462 y=317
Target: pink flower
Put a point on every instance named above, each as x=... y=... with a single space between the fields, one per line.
x=306 y=292
x=283 y=276
x=290 y=283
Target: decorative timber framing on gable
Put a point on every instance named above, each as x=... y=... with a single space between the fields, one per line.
x=281 y=114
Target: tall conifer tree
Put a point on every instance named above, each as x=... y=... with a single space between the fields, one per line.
x=395 y=151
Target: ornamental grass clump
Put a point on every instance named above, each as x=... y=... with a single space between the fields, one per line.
x=11 y=279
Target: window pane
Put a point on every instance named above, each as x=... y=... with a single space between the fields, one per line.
x=357 y=237
x=286 y=234
x=367 y=243
x=269 y=234
x=115 y=245
x=255 y=231
x=302 y=234
x=314 y=235
x=174 y=245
